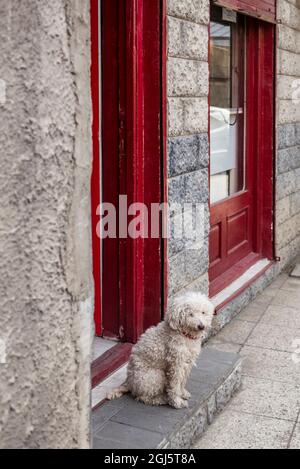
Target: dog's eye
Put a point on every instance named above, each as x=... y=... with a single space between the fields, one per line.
x=203 y=314
x=191 y=315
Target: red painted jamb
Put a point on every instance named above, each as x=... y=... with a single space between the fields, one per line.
x=165 y=153
x=153 y=154
x=268 y=139
x=131 y=253
x=109 y=362
x=95 y=181
x=275 y=139
x=132 y=174
x=113 y=152
x=140 y=18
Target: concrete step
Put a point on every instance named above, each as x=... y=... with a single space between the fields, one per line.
x=127 y=424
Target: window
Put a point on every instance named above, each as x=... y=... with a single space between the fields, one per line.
x=227 y=107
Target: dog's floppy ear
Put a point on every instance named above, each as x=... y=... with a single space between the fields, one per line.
x=172 y=319
x=176 y=314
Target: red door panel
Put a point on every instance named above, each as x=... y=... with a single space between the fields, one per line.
x=216 y=244
x=237 y=231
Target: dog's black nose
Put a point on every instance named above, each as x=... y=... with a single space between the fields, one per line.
x=201 y=327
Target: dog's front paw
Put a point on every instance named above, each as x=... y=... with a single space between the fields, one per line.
x=178 y=403
x=186 y=395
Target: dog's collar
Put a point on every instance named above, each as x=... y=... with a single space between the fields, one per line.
x=189 y=336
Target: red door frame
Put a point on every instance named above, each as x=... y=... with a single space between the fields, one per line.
x=138 y=175
x=96 y=179
x=260 y=138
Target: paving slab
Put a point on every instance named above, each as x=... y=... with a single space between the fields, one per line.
x=270 y=364
x=253 y=313
x=282 y=316
x=236 y=332
x=236 y=430
x=295 y=442
x=286 y=298
x=224 y=346
x=292 y=285
x=273 y=337
x=125 y=423
x=268 y=399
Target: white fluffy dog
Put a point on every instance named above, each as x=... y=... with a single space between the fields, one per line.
x=163 y=358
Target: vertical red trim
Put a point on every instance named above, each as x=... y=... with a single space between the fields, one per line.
x=267 y=146
x=140 y=114
x=165 y=151
x=275 y=137
x=261 y=131
x=95 y=183
x=131 y=252
x=153 y=155
x=252 y=128
x=112 y=56
x=141 y=291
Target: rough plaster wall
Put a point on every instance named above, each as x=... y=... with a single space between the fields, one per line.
x=188 y=136
x=288 y=138
x=46 y=298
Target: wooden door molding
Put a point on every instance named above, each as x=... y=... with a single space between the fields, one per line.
x=261 y=9
x=142 y=161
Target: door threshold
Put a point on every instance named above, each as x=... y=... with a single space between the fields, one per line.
x=113 y=359
x=242 y=283
x=101 y=346
x=233 y=273
x=115 y=380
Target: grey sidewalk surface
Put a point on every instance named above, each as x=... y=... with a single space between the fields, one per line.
x=127 y=424
x=266 y=412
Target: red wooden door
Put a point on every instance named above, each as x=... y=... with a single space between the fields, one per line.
x=131 y=270
x=241 y=75
x=112 y=43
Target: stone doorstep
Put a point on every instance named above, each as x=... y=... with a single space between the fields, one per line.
x=127 y=424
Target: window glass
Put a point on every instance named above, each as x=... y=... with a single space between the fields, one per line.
x=227 y=109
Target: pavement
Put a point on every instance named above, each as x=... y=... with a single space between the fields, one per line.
x=265 y=414
x=127 y=424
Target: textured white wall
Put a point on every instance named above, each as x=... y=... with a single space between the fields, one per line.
x=46 y=293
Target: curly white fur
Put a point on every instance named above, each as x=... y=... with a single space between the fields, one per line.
x=163 y=358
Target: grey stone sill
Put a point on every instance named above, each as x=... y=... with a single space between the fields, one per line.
x=127 y=424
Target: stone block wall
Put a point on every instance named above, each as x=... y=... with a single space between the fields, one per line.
x=188 y=151
x=287 y=227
